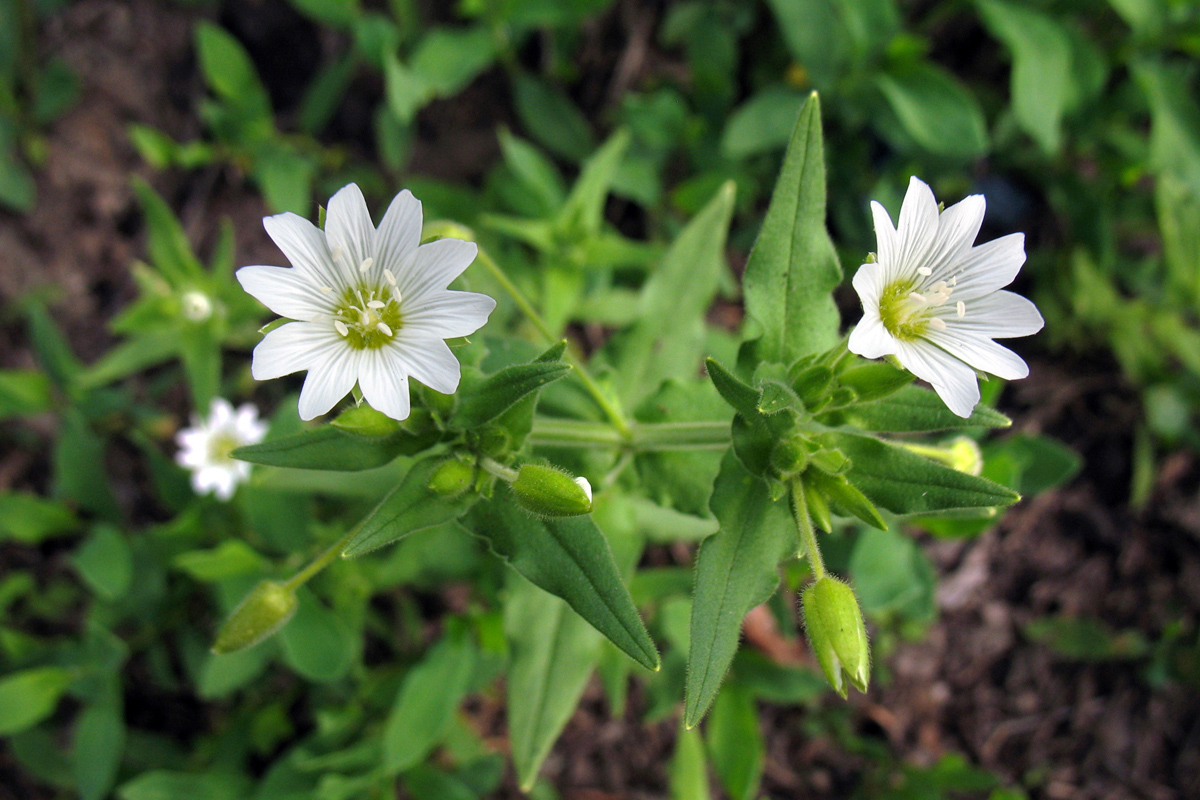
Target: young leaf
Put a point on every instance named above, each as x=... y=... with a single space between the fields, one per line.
x=913 y=409
x=735 y=742
x=23 y=392
x=936 y=110
x=502 y=390
x=98 y=744
x=230 y=73
x=736 y=570
x=583 y=211
x=411 y=506
x=328 y=448
x=168 y=246
x=570 y=558
x=317 y=643
x=551 y=118
x=552 y=652
x=28 y=697
x=426 y=703
x=793 y=268
x=689 y=767
x=906 y=483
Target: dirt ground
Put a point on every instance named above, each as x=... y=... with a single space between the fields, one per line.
x=975 y=685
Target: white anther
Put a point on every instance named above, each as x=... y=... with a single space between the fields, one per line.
x=389 y=277
x=962 y=309
x=387 y=331
x=376 y=304
x=395 y=294
x=326 y=289
x=918 y=298
x=341 y=328
x=939 y=287
x=366 y=264
x=363 y=319
x=938 y=324
x=954 y=280
x=926 y=271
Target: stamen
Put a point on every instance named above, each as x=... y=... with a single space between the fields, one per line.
x=389 y=277
x=376 y=304
x=937 y=323
x=954 y=280
x=363 y=319
x=326 y=289
x=396 y=294
x=341 y=328
x=366 y=264
x=918 y=298
x=962 y=309
x=926 y=271
x=387 y=331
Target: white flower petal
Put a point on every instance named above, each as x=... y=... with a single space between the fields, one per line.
x=885 y=235
x=869 y=282
x=433 y=266
x=288 y=292
x=916 y=230
x=958 y=226
x=429 y=361
x=953 y=380
x=399 y=233
x=304 y=245
x=293 y=347
x=447 y=314
x=1000 y=315
x=328 y=382
x=384 y=383
x=990 y=266
x=870 y=339
x=981 y=353
x=348 y=228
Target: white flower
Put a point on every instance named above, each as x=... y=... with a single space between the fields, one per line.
x=204 y=448
x=932 y=300
x=372 y=305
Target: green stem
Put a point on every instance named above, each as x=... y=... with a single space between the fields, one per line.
x=502 y=472
x=807 y=534
x=642 y=437
x=320 y=562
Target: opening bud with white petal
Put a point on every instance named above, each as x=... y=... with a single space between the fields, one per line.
x=550 y=492
x=265 y=610
x=837 y=634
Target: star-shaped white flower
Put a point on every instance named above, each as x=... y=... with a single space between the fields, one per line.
x=932 y=300
x=204 y=448
x=371 y=305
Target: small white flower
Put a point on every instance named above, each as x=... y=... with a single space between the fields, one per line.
x=195 y=305
x=204 y=448
x=372 y=305
x=932 y=300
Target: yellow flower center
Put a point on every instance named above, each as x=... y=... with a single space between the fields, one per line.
x=368 y=318
x=908 y=314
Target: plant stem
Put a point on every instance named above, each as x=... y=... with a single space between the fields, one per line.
x=807 y=535
x=320 y=562
x=502 y=472
x=642 y=437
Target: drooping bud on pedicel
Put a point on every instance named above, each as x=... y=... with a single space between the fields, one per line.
x=837 y=634
x=452 y=477
x=551 y=493
x=265 y=610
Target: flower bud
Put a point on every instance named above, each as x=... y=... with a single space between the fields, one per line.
x=452 y=477
x=549 y=492
x=265 y=610
x=365 y=422
x=965 y=456
x=836 y=633
x=789 y=456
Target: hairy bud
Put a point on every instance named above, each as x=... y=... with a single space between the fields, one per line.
x=549 y=492
x=452 y=477
x=837 y=634
x=265 y=610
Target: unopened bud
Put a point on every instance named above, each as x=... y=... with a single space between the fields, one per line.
x=265 y=610
x=365 y=422
x=789 y=457
x=452 y=477
x=837 y=634
x=965 y=456
x=549 y=492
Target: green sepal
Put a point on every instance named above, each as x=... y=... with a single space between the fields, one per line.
x=818 y=507
x=410 y=507
x=268 y=607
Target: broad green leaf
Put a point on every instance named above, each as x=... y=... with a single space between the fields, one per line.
x=502 y=390
x=891 y=575
x=735 y=742
x=222 y=675
x=426 y=703
x=167 y=244
x=1175 y=119
x=29 y=519
x=335 y=13
x=328 y=448
x=200 y=351
x=776 y=683
x=165 y=785
x=534 y=170
x=79 y=467
x=936 y=110
x=28 y=697
x=1042 y=71
x=570 y=558
x=286 y=178
x=762 y=123
x=552 y=652
x=23 y=392
x=736 y=570
x=317 y=643
x=98 y=744
x=105 y=562
x=583 y=211
x=405 y=91
x=793 y=267
x=448 y=59
x=915 y=408
x=689 y=767
x=411 y=506
x=550 y=117
x=662 y=346
x=51 y=347
x=815 y=37
x=229 y=559
x=229 y=71
x=906 y=483
x=131 y=356
x=430 y=783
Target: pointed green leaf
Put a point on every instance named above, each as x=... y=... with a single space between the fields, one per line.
x=905 y=483
x=739 y=394
x=98 y=744
x=689 y=767
x=411 y=506
x=328 y=448
x=736 y=570
x=793 y=268
x=935 y=109
x=168 y=246
x=583 y=211
x=28 y=697
x=501 y=391
x=735 y=742
x=570 y=558
x=23 y=392
x=914 y=409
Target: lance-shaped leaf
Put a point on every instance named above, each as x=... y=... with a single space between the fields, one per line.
x=502 y=390
x=905 y=483
x=328 y=448
x=793 y=268
x=736 y=570
x=913 y=409
x=739 y=394
x=411 y=506
x=552 y=652
x=583 y=212
x=570 y=558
